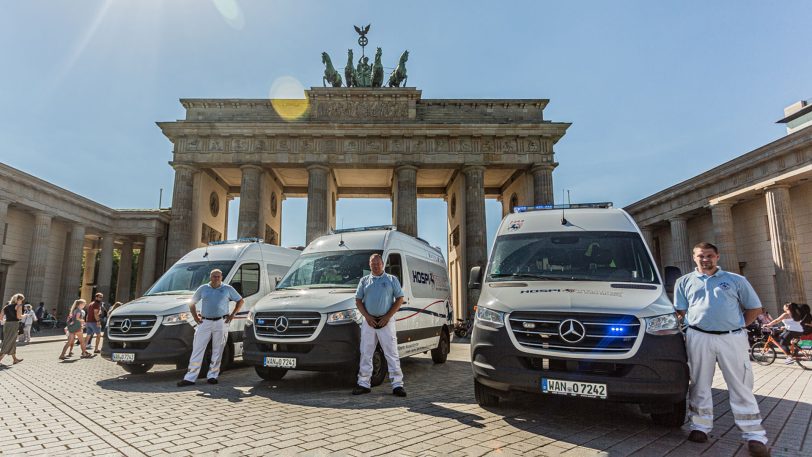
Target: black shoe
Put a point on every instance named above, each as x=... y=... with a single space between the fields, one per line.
x=212 y=381
x=185 y=383
x=399 y=392
x=698 y=436
x=758 y=449
x=358 y=390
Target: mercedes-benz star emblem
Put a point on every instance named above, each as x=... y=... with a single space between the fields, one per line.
x=280 y=324
x=126 y=326
x=571 y=331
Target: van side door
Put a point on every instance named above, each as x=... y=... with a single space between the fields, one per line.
x=247 y=280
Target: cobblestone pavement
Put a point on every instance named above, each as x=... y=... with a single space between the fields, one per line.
x=92 y=407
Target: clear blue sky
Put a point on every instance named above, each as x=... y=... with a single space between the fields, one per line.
x=656 y=91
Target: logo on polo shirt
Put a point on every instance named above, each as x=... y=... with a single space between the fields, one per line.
x=724 y=285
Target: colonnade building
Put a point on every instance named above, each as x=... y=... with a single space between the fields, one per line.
x=756 y=208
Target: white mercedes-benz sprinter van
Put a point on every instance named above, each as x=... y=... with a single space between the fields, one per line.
x=158 y=327
x=310 y=322
x=572 y=304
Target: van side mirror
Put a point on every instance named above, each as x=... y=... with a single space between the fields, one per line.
x=475 y=278
x=671 y=276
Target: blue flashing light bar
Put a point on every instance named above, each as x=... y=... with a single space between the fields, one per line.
x=365 y=229
x=524 y=209
x=238 y=240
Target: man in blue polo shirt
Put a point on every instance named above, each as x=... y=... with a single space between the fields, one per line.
x=212 y=325
x=378 y=298
x=716 y=305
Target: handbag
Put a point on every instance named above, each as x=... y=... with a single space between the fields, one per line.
x=21 y=328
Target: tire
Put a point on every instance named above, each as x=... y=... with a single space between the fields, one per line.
x=440 y=353
x=674 y=419
x=270 y=374
x=461 y=332
x=762 y=354
x=225 y=361
x=136 y=368
x=485 y=396
x=379 y=368
x=804 y=358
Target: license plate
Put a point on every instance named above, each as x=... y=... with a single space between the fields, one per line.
x=573 y=388
x=280 y=362
x=123 y=357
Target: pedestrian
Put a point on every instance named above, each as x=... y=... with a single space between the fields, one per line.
x=28 y=320
x=212 y=325
x=75 y=323
x=378 y=297
x=12 y=313
x=92 y=319
x=711 y=301
x=791 y=320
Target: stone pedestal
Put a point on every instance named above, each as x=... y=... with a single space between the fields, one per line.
x=784 y=242
x=680 y=246
x=38 y=260
x=89 y=274
x=105 y=266
x=476 y=250
x=180 y=227
x=318 y=223
x=543 y=184
x=724 y=237
x=406 y=199
x=125 y=269
x=72 y=274
x=248 y=222
x=147 y=259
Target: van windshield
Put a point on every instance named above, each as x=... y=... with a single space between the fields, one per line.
x=567 y=256
x=184 y=278
x=337 y=269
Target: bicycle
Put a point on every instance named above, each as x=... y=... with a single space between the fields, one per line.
x=763 y=352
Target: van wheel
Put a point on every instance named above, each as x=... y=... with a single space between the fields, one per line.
x=379 y=367
x=440 y=353
x=136 y=368
x=228 y=356
x=673 y=419
x=484 y=395
x=270 y=374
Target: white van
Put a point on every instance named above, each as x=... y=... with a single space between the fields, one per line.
x=311 y=322
x=572 y=304
x=158 y=327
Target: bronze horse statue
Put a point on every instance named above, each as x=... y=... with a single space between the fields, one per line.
x=349 y=71
x=398 y=76
x=330 y=73
x=377 y=70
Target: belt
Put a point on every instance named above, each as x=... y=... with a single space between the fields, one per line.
x=215 y=318
x=715 y=332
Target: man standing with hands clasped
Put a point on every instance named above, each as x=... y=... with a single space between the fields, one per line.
x=212 y=324
x=716 y=305
x=378 y=298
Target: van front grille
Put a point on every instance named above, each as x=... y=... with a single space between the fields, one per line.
x=131 y=326
x=573 y=333
x=286 y=324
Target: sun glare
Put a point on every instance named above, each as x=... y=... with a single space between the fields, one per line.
x=287 y=98
x=231 y=12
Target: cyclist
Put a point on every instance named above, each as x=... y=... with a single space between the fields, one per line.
x=791 y=318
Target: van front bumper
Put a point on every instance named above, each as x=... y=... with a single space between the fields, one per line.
x=171 y=344
x=336 y=348
x=656 y=374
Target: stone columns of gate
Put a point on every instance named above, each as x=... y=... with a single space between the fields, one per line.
x=72 y=275
x=89 y=274
x=648 y=237
x=105 y=265
x=38 y=259
x=318 y=214
x=181 y=224
x=125 y=272
x=475 y=234
x=784 y=242
x=680 y=247
x=248 y=225
x=406 y=199
x=147 y=259
x=3 y=217
x=724 y=237
x=543 y=183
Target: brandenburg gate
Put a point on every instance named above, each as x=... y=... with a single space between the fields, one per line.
x=353 y=142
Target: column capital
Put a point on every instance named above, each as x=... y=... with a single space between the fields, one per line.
x=678 y=218
x=42 y=216
x=317 y=166
x=250 y=166
x=543 y=167
x=184 y=166
x=721 y=205
x=473 y=168
x=405 y=166
x=777 y=186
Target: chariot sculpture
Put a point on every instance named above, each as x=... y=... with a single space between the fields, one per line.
x=362 y=73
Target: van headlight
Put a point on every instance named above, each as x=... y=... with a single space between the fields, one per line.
x=666 y=324
x=176 y=319
x=346 y=316
x=489 y=317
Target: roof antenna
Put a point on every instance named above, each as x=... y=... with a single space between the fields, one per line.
x=341 y=234
x=563 y=207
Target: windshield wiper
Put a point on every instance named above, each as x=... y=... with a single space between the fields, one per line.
x=526 y=276
x=173 y=292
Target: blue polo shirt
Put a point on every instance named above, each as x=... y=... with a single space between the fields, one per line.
x=378 y=293
x=715 y=302
x=215 y=301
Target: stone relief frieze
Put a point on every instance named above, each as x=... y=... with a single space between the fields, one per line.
x=351 y=145
x=441 y=145
x=260 y=145
x=397 y=145
x=328 y=145
x=193 y=144
x=361 y=109
x=308 y=145
x=508 y=145
x=419 y=145
x=532 y=145
x=487 y=145
x=373 y=145
x=216 y=145
x=239 y=144
x=283 y=144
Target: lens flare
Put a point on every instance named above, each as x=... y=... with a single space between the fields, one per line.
x=287 y=98
x=231 y=12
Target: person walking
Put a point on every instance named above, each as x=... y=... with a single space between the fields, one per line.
x=39 y=313
x=75 y=323
x=92 y=320
x=12 y=313
x=212 y=325
x=378 y=297
x=711 y=301
x=28 y=320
